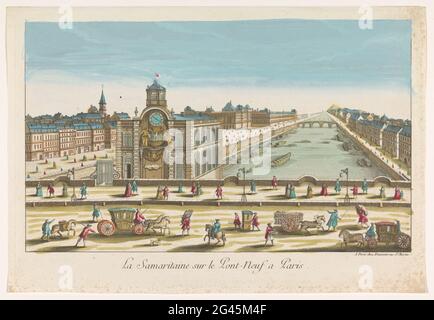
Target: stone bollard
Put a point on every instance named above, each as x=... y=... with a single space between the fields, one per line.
x=218 y=203
x=65 y=204
x=381 y=204
x=298 y=204
x=182 y=203
x=337 y=204
x=260 y=204
x=103 y=203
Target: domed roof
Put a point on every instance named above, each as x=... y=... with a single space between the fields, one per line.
x=334 y=107
x=92 y=109
x=228 y=107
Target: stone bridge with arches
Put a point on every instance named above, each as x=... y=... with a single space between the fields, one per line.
x=319 y=121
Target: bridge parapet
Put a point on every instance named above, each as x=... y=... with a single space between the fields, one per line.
x=232 y=180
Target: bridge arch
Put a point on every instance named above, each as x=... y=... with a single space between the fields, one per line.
x=382 y=180
x=230 y=180
x=306 y=179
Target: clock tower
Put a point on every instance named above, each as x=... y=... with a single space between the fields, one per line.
x=156 y=95
x=154 y=123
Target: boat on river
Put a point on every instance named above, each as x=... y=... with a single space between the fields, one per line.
x=281 y=160
x=279 y=143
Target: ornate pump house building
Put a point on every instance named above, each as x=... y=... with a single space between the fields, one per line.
x=159 y=144
x=141 y=140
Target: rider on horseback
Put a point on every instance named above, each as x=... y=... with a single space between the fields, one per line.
x=216 y=228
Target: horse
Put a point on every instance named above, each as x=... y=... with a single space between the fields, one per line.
x=219 y=236
x=162 y=222
x=348 y=237
x=317 y=223
x=64 y=226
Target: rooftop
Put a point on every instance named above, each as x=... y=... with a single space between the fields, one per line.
x=392 y=128
x=36 y=127
x=156 y=86
x=406 y=131
x=376 y=124
x=192 y=117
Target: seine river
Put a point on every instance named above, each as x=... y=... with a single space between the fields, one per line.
x=315 y=152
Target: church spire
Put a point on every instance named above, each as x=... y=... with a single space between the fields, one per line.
x=102 y=99
x=102 y=103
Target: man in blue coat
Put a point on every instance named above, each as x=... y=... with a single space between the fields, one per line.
x=46 y=229
x=365 y=186
x=216 y=228
x=333 y=220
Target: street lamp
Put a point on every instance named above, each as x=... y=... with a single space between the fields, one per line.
x=244 y=196
x=74 y=196
x=347 y=196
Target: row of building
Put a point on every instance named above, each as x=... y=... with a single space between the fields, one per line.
x=393 y=136
x=51 y=136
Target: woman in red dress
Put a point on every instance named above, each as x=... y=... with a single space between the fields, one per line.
x=193 y=189
x=397 y=195
x=324 y=191
x=237 y=221
x=50 y=190
x=128 y=191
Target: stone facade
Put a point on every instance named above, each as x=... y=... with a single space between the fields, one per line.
x=50 y=136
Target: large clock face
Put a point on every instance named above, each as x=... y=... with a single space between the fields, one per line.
x=156 y=119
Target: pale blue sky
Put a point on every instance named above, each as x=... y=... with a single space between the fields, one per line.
x=254 y=53
x=306 y=64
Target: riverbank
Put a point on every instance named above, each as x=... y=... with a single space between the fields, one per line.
x=394 y=170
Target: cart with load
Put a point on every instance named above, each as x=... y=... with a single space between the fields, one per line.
x=122 y=220
x=288 y=221
x=389 y=232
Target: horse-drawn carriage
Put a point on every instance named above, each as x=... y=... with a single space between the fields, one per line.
x=122 y=220
x=294 y=222
x=389 y=232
